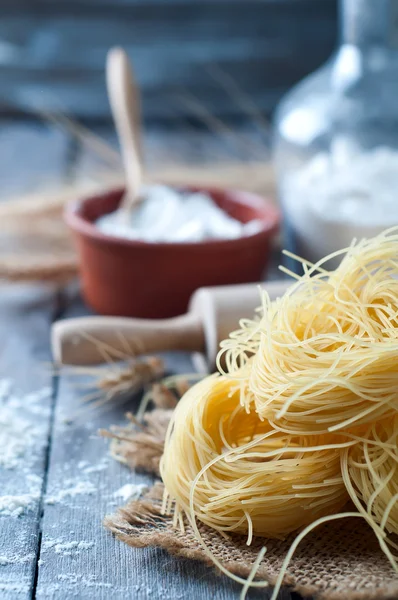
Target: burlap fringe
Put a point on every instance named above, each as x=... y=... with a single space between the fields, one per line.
x=338 y=561
x=140 y=446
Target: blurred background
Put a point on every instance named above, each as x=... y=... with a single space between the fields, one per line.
x=196 y=61
x=210 y=74
x=53 y=53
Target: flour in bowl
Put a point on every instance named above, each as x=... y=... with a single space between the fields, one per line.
x=169 y=215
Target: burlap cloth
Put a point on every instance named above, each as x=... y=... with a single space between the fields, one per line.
x=340 y=560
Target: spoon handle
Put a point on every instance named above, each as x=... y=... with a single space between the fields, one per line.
x=122 y=93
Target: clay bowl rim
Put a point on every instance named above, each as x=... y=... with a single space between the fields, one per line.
x=269 y=224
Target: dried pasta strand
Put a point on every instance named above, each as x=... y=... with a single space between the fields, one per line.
x=226 y=468
x=304 y=415
x=323 y=357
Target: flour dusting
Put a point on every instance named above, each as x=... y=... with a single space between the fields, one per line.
x=131 y=491
x=15 y=559
x=82 y=487
x=66 y=548
x=14 y=506
x=18 y=434
x=84 y=580
x=21 y=436
x=86 y=468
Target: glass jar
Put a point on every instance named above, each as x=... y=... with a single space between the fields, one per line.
x=336 y=138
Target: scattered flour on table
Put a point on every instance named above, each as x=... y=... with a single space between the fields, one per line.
x=74 y=489
x=15 y=559
x=18 y=434
x=83 y=464
x=87 y=468
x=14 y=506
x=34 y=480
x=66 y=548
x=131 y=491
x=83 y=580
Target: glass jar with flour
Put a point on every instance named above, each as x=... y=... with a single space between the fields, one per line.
x=336 y=138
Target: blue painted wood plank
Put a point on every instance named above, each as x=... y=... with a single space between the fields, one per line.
x=25 y=317
x=53 y=56
x=79 y=558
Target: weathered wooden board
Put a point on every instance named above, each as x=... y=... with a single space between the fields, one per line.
x=78 y=557
x=53 y=54
x=25 y=317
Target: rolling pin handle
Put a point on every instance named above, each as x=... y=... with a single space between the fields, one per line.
x=220 y=309
x=94 y=340
x=213 y=314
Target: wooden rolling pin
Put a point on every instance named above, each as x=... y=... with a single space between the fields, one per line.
x=213 y=313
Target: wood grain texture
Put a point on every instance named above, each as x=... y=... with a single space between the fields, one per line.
x=25 y=317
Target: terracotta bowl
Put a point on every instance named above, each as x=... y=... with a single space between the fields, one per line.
x=155 y=280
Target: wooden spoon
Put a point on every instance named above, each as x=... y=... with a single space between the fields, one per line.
x=124 y=101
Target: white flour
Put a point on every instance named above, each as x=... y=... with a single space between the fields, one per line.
x=74 y=489
x=131 y=491
x=22 y=436
x=18 y=434
x=83 y=580
x=86 y=468
x=166 y=215
x=339 y=196
x=14 y=506
x=66 y=548
x=15 y=559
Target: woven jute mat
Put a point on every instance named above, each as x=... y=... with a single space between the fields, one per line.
x=340 y=560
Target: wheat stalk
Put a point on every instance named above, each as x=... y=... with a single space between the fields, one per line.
x=114 y=383
x=140 y=443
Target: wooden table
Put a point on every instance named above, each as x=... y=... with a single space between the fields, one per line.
x=58 y=548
